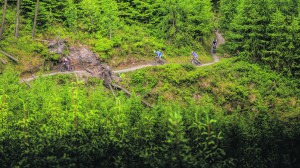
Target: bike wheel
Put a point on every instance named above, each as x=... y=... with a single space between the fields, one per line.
x=194 y=62
x=72 y=68
x=82 y=63
x=154 y=62
x=63 y=68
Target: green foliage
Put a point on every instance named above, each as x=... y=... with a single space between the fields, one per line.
x=264 y=31
x=119 y=28
x=71 y=14
x=135 y=41
x=181 y=23
x=228 y=11
x=253 y=106
x=62 y=122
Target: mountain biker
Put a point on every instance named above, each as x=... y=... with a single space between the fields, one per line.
x=214 y=43
x=66 y=62
x=194 y=54
x=158 y=55
x=195 y=57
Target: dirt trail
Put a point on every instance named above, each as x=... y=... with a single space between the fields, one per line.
x=133 y=68
x=220 y=38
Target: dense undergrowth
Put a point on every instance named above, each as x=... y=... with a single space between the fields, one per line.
x=232 y=114
x=63 y=122
x=257 y=109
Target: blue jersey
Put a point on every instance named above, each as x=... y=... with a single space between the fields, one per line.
x=195 y=54
x=158 y=54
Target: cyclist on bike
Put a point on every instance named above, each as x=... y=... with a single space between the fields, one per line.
x=195 y=57
x=214 y=43
x=66 y=62
x=158 y=55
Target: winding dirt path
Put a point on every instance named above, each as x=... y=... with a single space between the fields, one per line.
x=133 y=68
x=220 y=38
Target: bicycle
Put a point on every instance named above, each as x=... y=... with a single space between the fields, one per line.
x=195 y=61
x=64 y=67
x=214 y=48
x=158 y=61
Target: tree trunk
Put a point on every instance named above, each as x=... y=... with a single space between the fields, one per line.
x=35 y=18
x=17 y=19
x=3 y=18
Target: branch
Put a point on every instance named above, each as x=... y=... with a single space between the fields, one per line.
x=9 y=56
x=129 y=94
x=42 y=40
x=26 y=83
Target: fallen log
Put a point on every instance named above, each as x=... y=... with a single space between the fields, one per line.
x=88 y=70
x=129 y=94
x=26 y=83
x=42 y=40
x=9 y=56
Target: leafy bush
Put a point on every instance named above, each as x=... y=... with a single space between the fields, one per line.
x=253 y=106
x=60 y=122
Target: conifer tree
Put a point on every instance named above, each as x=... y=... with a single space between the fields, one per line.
x=248 y=29
x=71 y=14
x=109 y=19
x=228 y=10
x=199 y=19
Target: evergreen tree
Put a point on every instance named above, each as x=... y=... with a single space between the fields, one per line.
x=89 y=15
x=228 y=11
x=55 y=10
x=199 y=19
x=71 y=14
x=109 y=19
x=137 y=11
x=172 y=20
x=248 y=29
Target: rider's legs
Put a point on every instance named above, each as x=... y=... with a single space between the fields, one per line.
x=196 y=61
x=69 y=65
x=215 y=45
x=160 y=60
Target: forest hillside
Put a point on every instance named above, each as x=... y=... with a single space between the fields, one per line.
x=115 y=105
